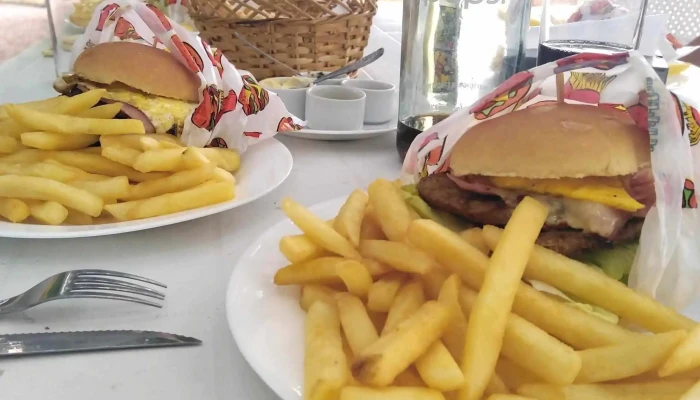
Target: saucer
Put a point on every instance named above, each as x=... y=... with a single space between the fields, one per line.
x=367 y=131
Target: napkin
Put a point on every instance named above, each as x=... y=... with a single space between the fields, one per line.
x=234 y=110
x=667 y=266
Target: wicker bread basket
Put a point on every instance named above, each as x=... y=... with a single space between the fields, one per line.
x=307 y=35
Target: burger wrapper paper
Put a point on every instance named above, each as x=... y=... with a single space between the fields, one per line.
x=667 y=265
x=233 y=111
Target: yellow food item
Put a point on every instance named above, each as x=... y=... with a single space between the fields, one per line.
x=608 y=191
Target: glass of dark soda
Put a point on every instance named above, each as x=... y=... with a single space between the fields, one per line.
x=594 y=26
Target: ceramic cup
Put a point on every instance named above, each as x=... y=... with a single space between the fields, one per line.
x=380 y=99
x=293 y=99
x=332 y=82
x=335 y=108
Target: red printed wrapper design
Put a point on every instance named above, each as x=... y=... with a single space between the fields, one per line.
x=667 y=266
x=234 y=111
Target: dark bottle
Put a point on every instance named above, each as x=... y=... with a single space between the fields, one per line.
x=446 y=64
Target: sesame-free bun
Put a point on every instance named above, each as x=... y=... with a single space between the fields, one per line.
x=148 y=69
x=553 y=141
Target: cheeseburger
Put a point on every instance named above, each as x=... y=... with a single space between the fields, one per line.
x=589 y=165
x=153 y=85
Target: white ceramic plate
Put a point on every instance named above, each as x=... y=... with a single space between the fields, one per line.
x=266 y=320
x=263 y=168
x=368 y=131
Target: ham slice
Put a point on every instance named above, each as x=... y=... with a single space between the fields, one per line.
x=641 y=187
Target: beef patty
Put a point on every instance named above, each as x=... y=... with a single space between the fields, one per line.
x=442 y=193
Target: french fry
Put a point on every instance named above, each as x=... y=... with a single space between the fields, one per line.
x=598 y=289
x=496 y=386
x=432 y=282
x=57 y=141
x=390 y=393
x=357 y=326
x=170 y=203
x=631 y=391
x=136 y=142
x=531 y=348
x=384 y=359
x=49 y=212
x=160 y=160
x=29 y=187
x=24 y=156
x=398 y=255
x=370 y=229
x=193 y=158
x=96 y=164
x=508 y=397
x=221 y=175
x=392 y=212
x=438 y=369
x=457 y=329
x=489 y=316
x=112 y=188
x=70 y=125
x=643 y=354
x=9 y=145
x=349 y=219
x=382 y=293
x=122 y=155
x=227 y=159
x=571 y=325
x=10 y=128
x=92 y=150
x=692 y=393
x=105 y=111
x=78 y=218
x=300 y=248
x=169 y=141
x=513 y=375
x=685 y=357
x=44 y=169
x=473 y=237
x=176 y=182
x=74 y=104
x=318 y=230
x=408 y=300
x=322 y=270
x=44 y=104
x=408 y=378
x=356 y=277
x=376 y=268
x=325 y=365
x=312 y=293
x=378 y=319
x=13 y=210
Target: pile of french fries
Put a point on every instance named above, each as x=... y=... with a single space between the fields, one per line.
x=399 y=307
x=65 y=160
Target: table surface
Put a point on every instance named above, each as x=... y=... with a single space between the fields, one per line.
x=194 y=258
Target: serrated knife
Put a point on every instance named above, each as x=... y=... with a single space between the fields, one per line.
x=24 y=344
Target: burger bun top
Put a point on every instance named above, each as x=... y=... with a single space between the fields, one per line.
x=553 y=141
x=145 y=68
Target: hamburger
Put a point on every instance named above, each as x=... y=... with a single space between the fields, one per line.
x=589 y=165
x=153 y=85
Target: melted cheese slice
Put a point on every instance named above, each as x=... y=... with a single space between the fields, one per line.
x=163 y=112
x=607 y=191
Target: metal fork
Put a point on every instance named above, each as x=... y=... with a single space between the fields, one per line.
x=85 y=284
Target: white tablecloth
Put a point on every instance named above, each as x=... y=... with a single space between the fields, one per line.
x=195 y=259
